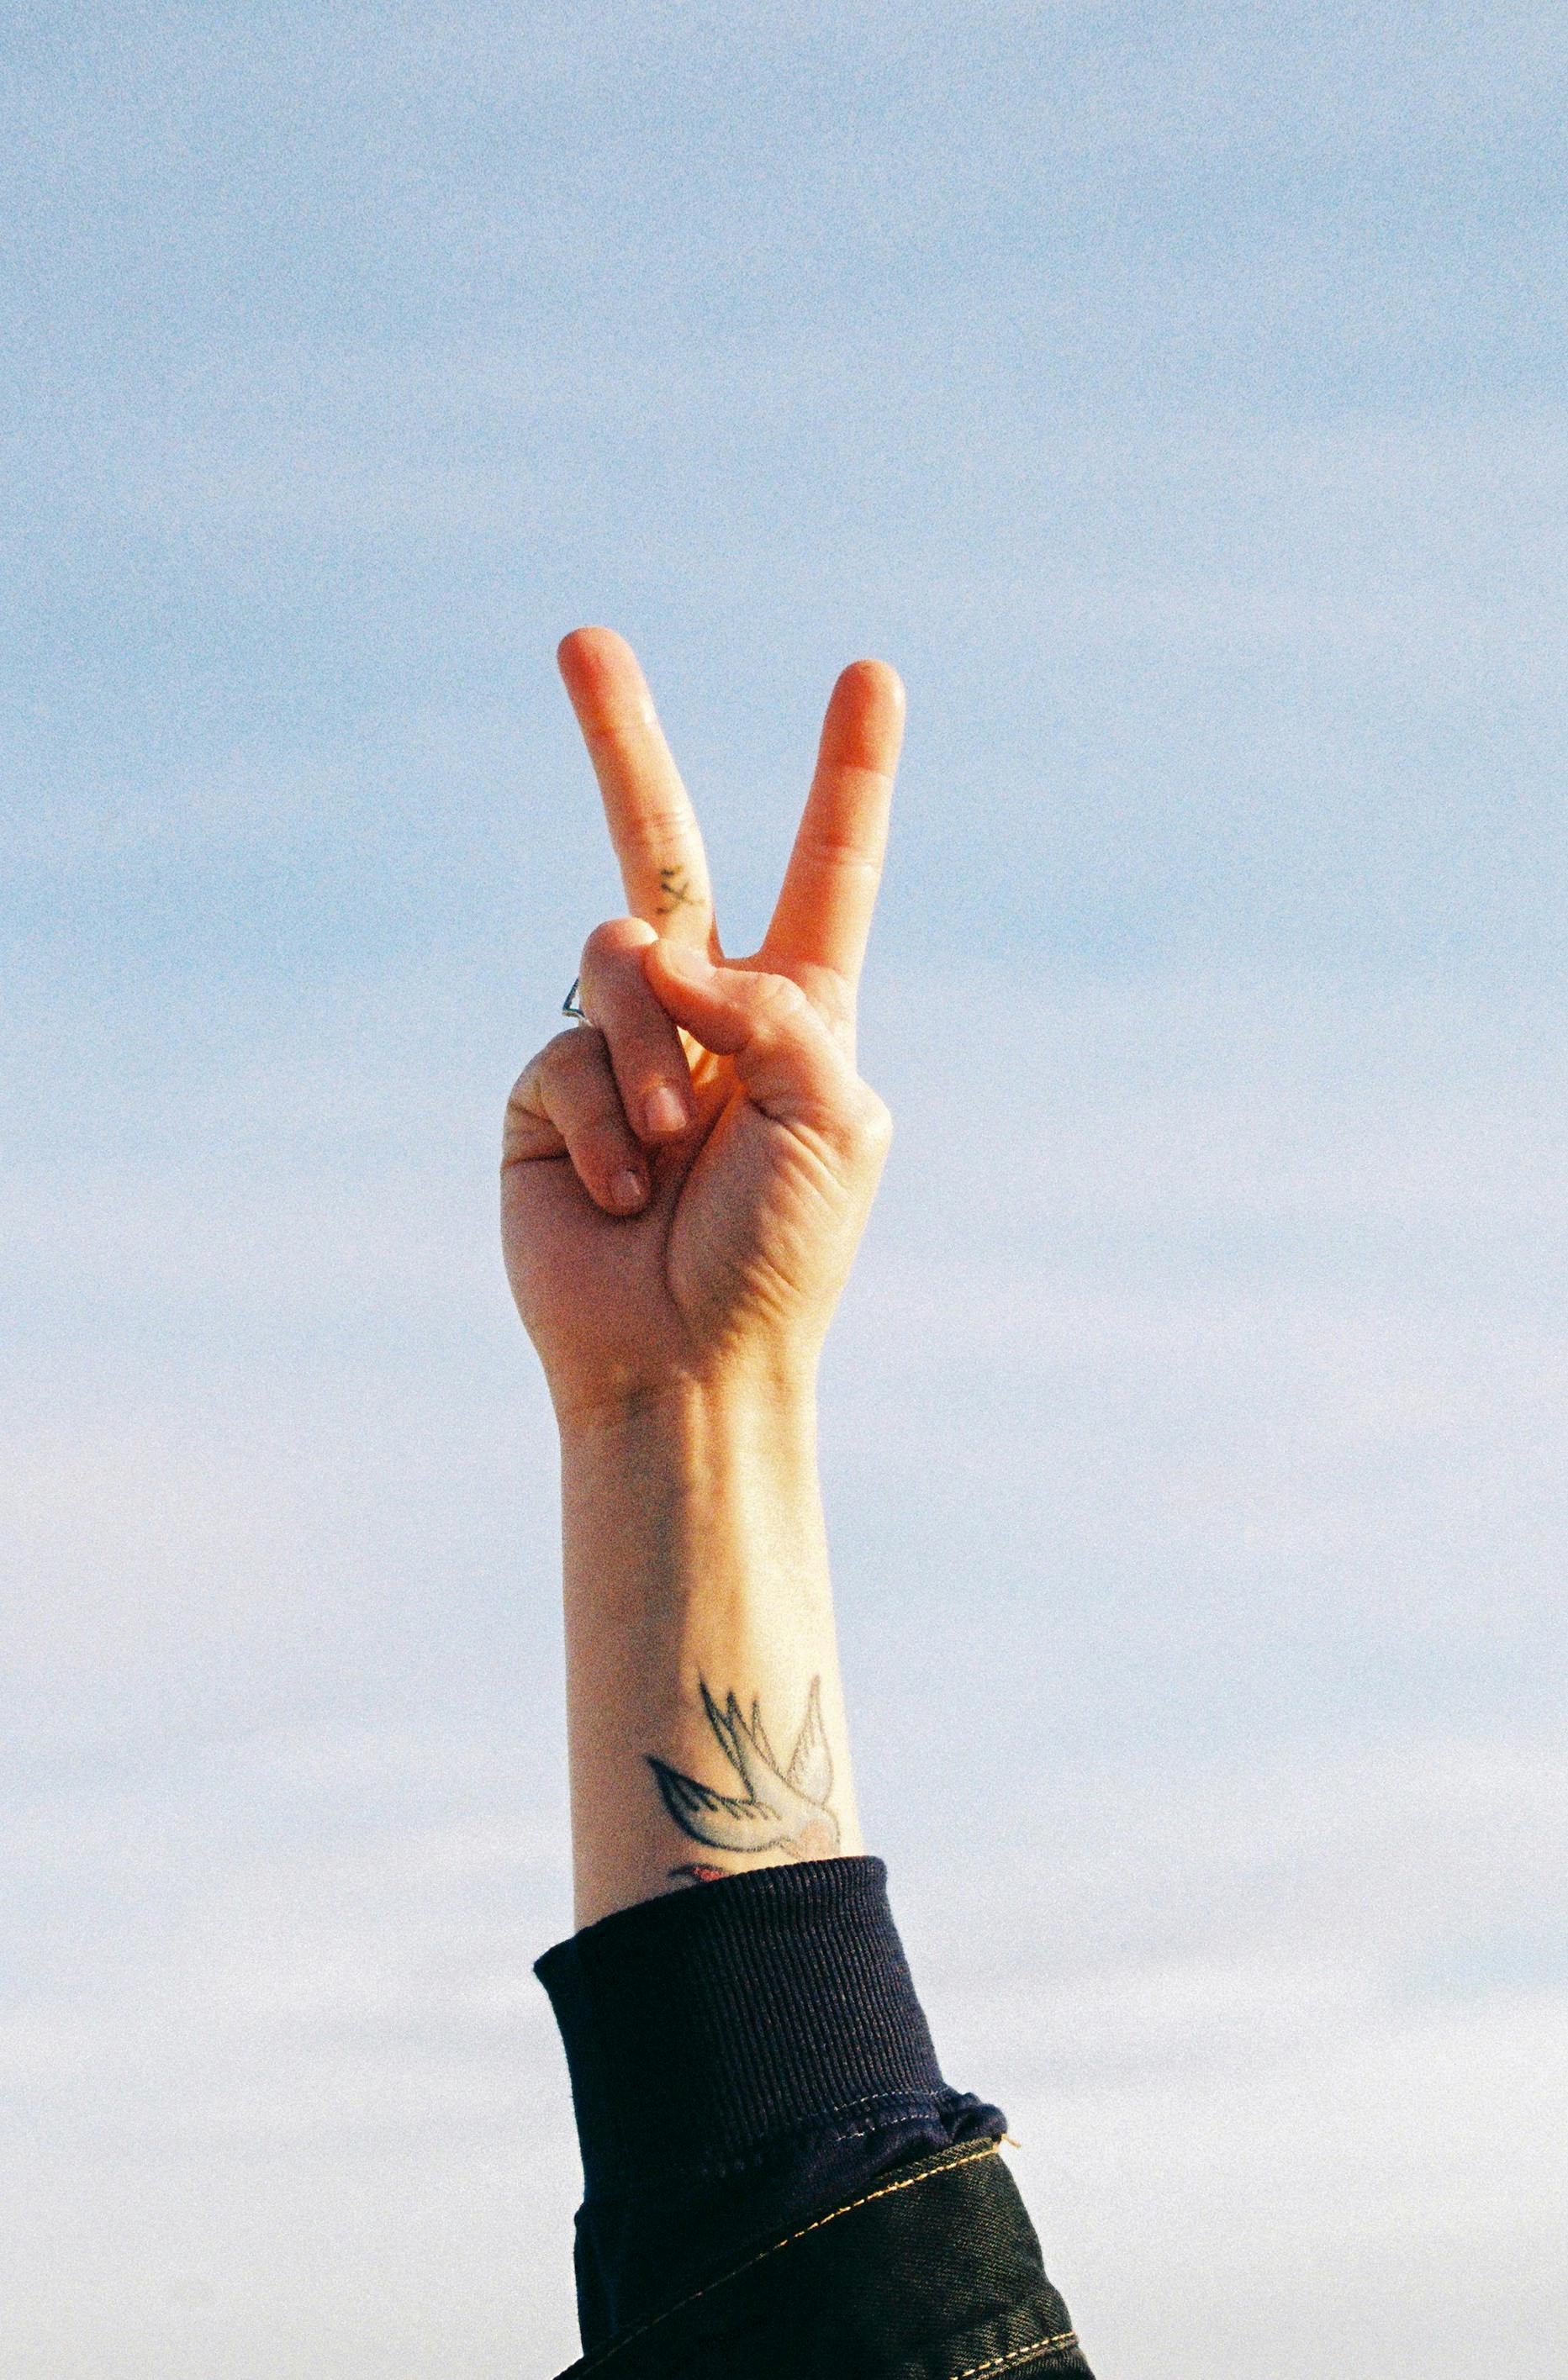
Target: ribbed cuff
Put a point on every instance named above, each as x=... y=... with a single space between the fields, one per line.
x=705 y=2024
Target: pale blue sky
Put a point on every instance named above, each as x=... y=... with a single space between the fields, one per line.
x=1174 y=394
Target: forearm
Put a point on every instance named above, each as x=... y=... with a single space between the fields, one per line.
x=777 y=2180
x=695 y=1557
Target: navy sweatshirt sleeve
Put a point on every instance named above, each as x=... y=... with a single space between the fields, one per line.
x=741 y=2054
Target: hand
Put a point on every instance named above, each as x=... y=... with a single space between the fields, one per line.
x=685 y=1181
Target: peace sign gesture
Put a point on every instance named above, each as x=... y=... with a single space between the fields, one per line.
x=685 y=1179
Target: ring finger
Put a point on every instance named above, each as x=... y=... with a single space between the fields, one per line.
x=645 y=1049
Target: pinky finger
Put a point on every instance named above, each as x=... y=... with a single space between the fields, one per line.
x=565 y=1104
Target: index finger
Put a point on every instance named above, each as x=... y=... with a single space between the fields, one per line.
x=823 y=916
x=652 y=824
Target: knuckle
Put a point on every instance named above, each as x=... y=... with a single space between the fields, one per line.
x=839 y=849
x=875 y=1120
x=600 y=946
x=600 y=1144
x=616 y=986
x=857 y=1124
x=865 y=1125
x=527 y=1094
x=660 y=824
x=526 y=1128
x=580 y=1046
x=779 y=997
x=615 y=942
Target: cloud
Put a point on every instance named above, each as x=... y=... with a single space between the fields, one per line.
x=1204 y=1345
x=275 y=2065
x=1278 y=2041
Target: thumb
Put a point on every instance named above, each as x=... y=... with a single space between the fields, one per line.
x=786 y=1059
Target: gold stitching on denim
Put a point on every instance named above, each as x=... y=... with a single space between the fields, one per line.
x=1052 y=2346
x=888 y=2190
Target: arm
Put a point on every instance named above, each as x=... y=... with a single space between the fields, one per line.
x=706 y=1718
x=685 y=1185
x=766 y=2135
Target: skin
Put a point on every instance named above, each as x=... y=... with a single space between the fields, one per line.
x=684 y=1184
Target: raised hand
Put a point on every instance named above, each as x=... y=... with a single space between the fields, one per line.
x=685 y=1179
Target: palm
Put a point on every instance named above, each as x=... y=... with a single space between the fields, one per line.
x=736 y=1231
x=752 y=1214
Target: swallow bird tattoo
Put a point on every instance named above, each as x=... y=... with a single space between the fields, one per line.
x=779 y=1808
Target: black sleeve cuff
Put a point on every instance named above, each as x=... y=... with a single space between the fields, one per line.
x=741 y=2052
x=704 y=2024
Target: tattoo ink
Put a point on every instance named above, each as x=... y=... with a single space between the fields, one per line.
x=676 y=893
x=782 y=1808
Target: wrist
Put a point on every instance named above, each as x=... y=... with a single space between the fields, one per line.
x=771 y=1399
x=695 y=1567
x=708 y=1489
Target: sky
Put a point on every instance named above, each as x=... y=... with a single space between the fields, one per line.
x=1174 y=394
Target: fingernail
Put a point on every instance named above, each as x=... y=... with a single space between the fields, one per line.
x=664 y=1113
x=626 y=1189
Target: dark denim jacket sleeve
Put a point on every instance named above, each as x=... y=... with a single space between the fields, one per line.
x=767 y=2141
